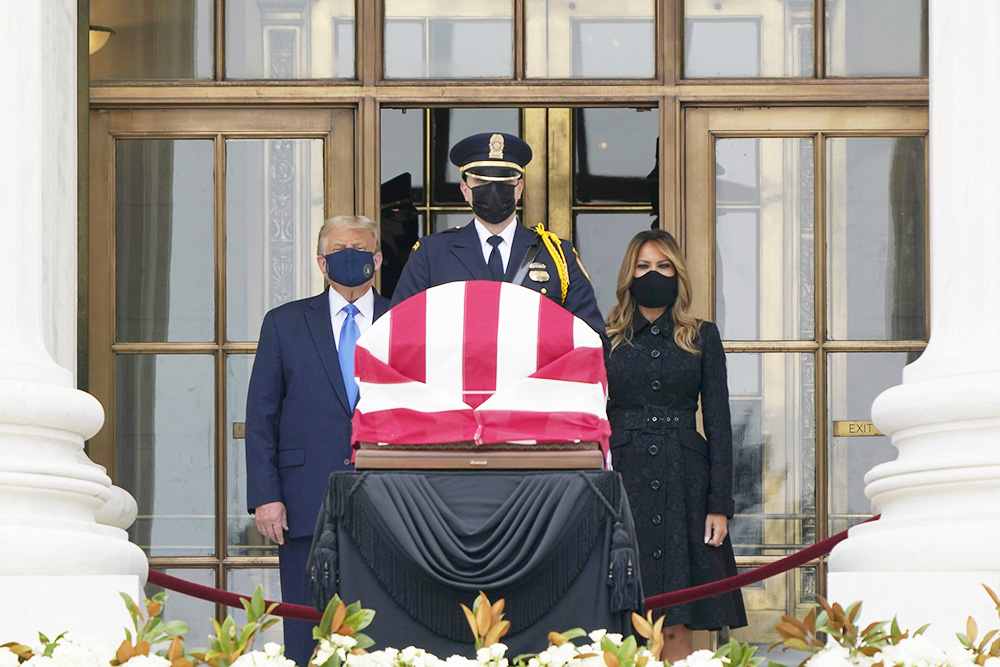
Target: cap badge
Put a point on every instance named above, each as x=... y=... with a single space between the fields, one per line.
x=496 y=147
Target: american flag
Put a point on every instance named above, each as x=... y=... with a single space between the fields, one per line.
x=480 y=361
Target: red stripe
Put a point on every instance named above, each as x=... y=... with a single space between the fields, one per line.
x=370 y=368
x=408 y=337
x=555 y=332
x=479 y=352
x=402 y=426
x=584 y=364
x=508 y=425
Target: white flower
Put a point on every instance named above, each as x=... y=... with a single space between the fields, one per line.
x=460 y=661
x=962 y=657
x=595 y=635
x=832 y=655
x=492 y=655
x=991 y=662
x=150 y=661
x=702 y=658
x=339 y=645
x=556 y=656
x=916 y=651
x=270 y=657
x=7 y=658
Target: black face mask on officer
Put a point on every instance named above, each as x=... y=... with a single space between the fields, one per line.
x=494 y=201
x=654 y=290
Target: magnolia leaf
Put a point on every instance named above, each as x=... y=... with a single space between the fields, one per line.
x=641 y=662
x=796 y=644
x=853 y=611
x=574 y=633
x=125 y=651
x=986 y=639
x=498 y=609
x=642 y=626
x=483 y=616
x=337 y=617
x=971 y=629
x=175 y=628
x=181 y=662
x=610 y=659
x=176 y=649
x=496 y=632
x=556 y=639
x=805 y=630
x=142 y=648
x=993 y=595
x=364 y=641
x=657 y=647
x=995 y=648
x=471 y=618
x=581 y=656
x=153 y=607
x=869 y=651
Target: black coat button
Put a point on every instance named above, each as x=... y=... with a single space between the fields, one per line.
x=658 y=554
x=655 y=330
x=657 y=519
x=655 y=485
x=655 y=385
x=653 y=450
x=655 y=354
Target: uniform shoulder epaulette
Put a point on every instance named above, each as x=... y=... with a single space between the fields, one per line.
x=553 y=244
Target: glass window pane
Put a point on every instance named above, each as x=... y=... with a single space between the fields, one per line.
x=165 y=452
x=764 y=233
x=449 y=39
x=243 y=582
x=855 y=380
x=443 y=221
x=615 y=152
x=772 y=398
x=791 y=593
x=758 y=38
x=448 y=127
x=876 y=222
x=601 y=238
x=878 y=39
x=590 y=39
x=313 y=40
x=164 y=241
x=198 y=614
x=274 y=209
x=243 y=539
x=155 y=39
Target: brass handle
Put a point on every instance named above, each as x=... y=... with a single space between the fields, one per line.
x=239 y=430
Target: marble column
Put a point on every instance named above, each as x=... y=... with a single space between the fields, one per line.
x=939 y=536
x=64 y=553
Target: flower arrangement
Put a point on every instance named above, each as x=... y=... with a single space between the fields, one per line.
x=830 y=635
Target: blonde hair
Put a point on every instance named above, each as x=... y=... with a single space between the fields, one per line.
x=619 y=320
x=360 y=222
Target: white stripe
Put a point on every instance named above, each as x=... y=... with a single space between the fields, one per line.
x=517 y=334
x=417 y=396
x=445 y=335
x=376 y=339
x=541 y=395
x=583 y=335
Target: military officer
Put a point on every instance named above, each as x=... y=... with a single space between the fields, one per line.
x=494 y=246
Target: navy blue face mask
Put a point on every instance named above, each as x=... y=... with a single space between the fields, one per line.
x=350 y=267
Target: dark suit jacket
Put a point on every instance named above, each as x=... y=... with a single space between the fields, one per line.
x=456 y=254
x=298 y=418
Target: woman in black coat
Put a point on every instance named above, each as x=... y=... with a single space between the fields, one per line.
x=679 y=483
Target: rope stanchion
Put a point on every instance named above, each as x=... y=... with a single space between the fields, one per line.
x=304 y=613
x=285 y=609
x=752 y=577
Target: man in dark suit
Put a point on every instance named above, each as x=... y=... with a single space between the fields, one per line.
x=494 y=246
x=300 y=402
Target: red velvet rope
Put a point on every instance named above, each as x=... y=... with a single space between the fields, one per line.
x=304 y=613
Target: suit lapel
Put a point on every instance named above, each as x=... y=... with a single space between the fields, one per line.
x=524 y=239
x=321 y=328
x=466 y=248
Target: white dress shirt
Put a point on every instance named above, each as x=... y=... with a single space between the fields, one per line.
x=366 y=306
x=505 y=245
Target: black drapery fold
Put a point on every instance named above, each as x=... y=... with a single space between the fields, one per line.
x=431 y=538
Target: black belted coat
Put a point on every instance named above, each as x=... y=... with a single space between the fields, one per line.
x=673 y=476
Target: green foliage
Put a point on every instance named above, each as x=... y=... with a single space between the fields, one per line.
x=231 y=640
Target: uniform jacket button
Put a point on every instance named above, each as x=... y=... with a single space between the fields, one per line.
x=655 y=354
x=653 y=450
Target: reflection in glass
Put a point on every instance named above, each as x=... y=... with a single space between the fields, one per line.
x=196 y=613
x=274 y=209
x=268 y=40
x=457 y=39
x=402 y=143
x=242 y=538
x=876 y=39
x=764 y=239
x=615 y=151
x=164 y=241
x=772 y=400
x=759 y=38
x=448 y=127
x=590 y=39
x=792 y=593
x=876 y=222
x=155 y=39
x=164 y=449
x=243 y=582
x=601 y=238
x=855 y=380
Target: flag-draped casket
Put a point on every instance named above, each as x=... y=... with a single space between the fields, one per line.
x=481 y=363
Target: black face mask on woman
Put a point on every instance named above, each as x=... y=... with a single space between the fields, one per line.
x=654 y=290
x=493 y=202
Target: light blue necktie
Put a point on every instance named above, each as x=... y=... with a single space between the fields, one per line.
x=349 y=334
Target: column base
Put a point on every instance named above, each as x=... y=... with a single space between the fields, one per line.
x=87 y=605
x=946 y=600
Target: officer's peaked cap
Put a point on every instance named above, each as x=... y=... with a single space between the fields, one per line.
x=491 y=156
